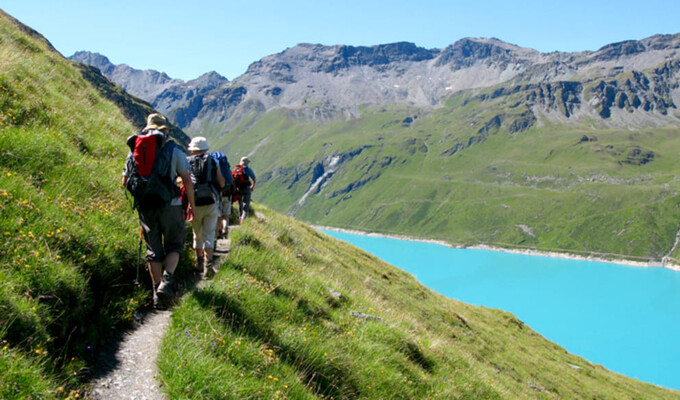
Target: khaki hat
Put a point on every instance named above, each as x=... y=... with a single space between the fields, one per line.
x=199 y=143
x=156 y=121
x=245 y=160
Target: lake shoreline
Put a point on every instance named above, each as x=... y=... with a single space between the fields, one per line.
x=531 y=252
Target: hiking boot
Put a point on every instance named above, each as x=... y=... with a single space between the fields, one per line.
x=200 y=262
x=209 y=270
x=157 y=303
x=165 y=293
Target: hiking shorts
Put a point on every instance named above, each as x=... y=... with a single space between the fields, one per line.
x=225 y=206
x=205 y=224
x=163 y=232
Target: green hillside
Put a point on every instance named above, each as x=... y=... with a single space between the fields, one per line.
x=475 y=171
x=69 y=237
x=295 y=314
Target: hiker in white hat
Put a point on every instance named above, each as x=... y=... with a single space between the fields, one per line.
x=207 y=180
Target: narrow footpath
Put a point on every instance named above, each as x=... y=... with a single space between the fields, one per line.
x=128 y=370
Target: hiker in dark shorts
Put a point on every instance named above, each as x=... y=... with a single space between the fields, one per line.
x=163 y=226
x=244 y=179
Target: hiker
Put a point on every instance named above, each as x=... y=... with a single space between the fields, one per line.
x=206 y=178
x=242 y=175
x=151 y=168
x=222 y=230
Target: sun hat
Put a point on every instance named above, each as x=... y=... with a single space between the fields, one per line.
x=199 y=143
x=245 y=160
x=157 y=122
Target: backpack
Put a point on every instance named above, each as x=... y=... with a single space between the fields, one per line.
x=240 y=177
x=225 y=168
x=148 y=167
x=203 y=173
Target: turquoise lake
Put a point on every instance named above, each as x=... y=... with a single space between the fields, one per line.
x=624 y=318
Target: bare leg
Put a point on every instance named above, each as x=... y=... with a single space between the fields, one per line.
x=171 y=261
x=155 y=270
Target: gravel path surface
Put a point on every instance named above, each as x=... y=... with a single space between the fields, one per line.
x=128 y=369
x=134 y=365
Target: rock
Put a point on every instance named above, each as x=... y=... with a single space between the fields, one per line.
x=336 y=295
x=360 y=315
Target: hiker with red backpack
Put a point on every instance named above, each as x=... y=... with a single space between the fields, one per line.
x=242 y=175
x=151 y=168
x=206 y=178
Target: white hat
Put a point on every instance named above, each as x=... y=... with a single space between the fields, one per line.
x=245 y=160
x=199 y=143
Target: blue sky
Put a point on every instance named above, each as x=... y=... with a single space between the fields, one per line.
x=188 y=38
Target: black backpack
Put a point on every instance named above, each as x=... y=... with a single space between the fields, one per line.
x=148 y=166
x=203 y=174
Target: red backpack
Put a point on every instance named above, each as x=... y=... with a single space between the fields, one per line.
x=144 y=152
x=148 y=165
x=240 y=177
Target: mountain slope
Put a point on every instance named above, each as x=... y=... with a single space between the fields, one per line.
x=69 y=250
x=295 y=314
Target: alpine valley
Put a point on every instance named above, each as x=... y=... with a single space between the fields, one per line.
x=480 y=143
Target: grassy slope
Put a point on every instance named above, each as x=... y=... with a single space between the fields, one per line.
x=572 y=196
x=69 y=237
x=268 y=327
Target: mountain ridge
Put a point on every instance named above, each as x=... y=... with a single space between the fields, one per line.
x=342 y=77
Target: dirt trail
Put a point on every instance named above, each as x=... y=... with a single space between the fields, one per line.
x=128 y=369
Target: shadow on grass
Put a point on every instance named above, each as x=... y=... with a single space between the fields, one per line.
x=328 y=379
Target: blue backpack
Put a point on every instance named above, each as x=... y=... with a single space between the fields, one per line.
x=225 y=168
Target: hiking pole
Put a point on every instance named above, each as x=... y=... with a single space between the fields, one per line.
x=139 y=256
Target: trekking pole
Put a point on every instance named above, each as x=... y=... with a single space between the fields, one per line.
x=139 y=256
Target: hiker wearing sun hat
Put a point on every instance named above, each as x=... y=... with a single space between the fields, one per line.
x=243 y=175
x=206 y=178
x=150 y=172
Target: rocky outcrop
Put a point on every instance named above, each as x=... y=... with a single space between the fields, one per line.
x=222 y=106
x=638 y=91
x=382 y=55
x=468 y=52
x=177 y=95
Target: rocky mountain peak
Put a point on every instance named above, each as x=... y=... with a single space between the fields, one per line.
x=630 y=48
x=329 y=59
x=210 y=79
x=94 y=59
x=466 y=52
